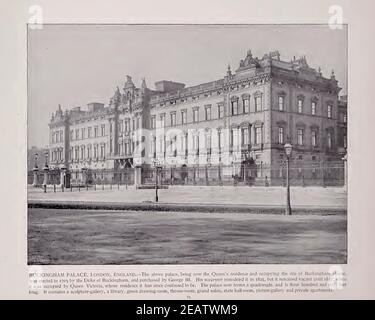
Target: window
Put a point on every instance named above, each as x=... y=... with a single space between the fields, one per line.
x=61 y=136
x=173 y=119
x=208 y=113
x=300 y=137
x=221 y=139
x=70 y=135
x=281 y=103
x=102 y=151
x=162 y=120
x=195 y=142
x=208 y=140
x=133 y=124
x=345 y=142
x=313 y=108
x=329 y=140
x=231 y=137
x=153 y=122
x=245 y=136
x=195 y=115
x=234 y=109
x=329 y=111
x=183 y=117
x=300 y=105
x=95 y=152
x=345 y=118
x=220 y=111
x=77 y=134
x=103 y=130
x=281 y=135
x=246 y=105
x=258 y=135
x=127 y=125
x=258 y=103
x=138 y=122
x=96 y=131
x=313 y=138
x=83 y=133
x=89 y=132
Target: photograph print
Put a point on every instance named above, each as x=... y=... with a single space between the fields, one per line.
x=187 y=144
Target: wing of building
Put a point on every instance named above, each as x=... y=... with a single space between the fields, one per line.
x=232 y=129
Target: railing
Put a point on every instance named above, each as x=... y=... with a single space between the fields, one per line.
x=300 y=174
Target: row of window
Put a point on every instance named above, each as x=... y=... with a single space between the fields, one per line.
x=207 y=113
x=82 y=133
x=301 y=137
x=57 y=136
x=300 y=106
x=87 y=153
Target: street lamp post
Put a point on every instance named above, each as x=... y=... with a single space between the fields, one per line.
x=156 y=180
x=288 y=152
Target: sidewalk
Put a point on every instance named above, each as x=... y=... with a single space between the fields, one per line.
x=198 y=197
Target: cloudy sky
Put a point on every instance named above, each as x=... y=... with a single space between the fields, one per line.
x=73 y=65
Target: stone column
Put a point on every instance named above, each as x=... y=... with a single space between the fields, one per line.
x=45 y=179
x=35 y=180
x=137 y=176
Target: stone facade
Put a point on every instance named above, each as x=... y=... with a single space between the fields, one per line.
x=240 y=121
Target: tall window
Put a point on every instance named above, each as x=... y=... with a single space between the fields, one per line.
x=127 y=125
x=329 y=139
x=245 y=136
x=162 y=120
x=208 y=113
x=313 y=138
x=153 y=122
x=220 y=111
x=96 y=131
x=281 y=135
x=300 y=137
x=329 y=111
x=221 y=139
x=183 y=117
x=345 y=141
x=89 y=132
x=246 y=105
x=195 y=115
x=234 y=105
x=258 y=135
x=173 y=119
x=258 y=103
x=195 y=142
x=61 y=136
x=208 y=140
x=313 y=108
x=300 y=105
x=102 y=130
x=77 y=134
x=345 y=119
x=281 y=103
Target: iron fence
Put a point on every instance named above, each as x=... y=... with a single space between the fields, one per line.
x=302 y=174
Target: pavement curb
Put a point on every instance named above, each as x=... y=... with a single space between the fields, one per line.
x=183 y=207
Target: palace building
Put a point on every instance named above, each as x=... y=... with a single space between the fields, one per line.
x=231 y=129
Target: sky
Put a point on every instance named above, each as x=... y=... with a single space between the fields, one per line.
x=73 y=65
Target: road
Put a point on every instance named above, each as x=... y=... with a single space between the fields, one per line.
x=88 y=237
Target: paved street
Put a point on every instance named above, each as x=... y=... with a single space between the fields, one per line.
x=263 y=196
x=108 y=237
